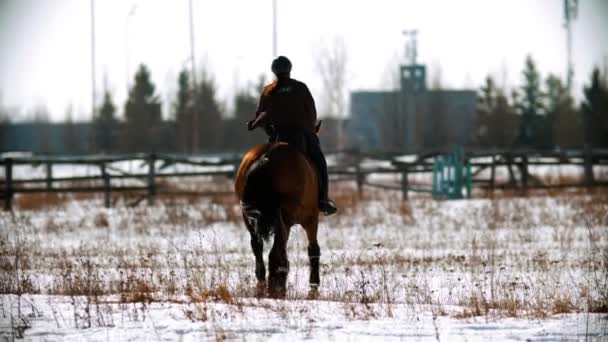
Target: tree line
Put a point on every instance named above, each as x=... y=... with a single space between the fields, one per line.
x=196 y=122
x=541 y=113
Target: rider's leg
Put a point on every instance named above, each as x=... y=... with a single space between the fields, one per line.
x=316 y=155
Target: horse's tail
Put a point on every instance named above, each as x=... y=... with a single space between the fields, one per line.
x=260 y=203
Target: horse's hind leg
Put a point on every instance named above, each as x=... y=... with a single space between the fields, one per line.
x=257 y=245
x=314 y=253
x=278 y=265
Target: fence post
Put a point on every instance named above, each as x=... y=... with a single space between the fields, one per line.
x=493 y=173
x=404 y=184
x=151 y=178
x=524 y=171
x=106 y=185
x=359 y=179
x=8 y=184
x=588 y=157
x=49 y=175
x=510 y=158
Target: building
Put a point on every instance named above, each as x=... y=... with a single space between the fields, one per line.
x=412 y=117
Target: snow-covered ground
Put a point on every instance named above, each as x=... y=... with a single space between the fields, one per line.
x=290 y=320
x=484 y=269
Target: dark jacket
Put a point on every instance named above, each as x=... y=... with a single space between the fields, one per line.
x=289 y=105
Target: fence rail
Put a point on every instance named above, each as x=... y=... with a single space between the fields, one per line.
x=349 y=166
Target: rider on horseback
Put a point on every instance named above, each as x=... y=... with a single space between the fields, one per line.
x=287 y=112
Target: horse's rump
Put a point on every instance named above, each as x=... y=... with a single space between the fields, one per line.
x=275 y=182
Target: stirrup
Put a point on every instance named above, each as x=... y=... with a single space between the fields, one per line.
x=327 y=207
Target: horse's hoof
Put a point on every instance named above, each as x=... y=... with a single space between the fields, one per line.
x=277 y=293
x=313 y=293
x=260 y=289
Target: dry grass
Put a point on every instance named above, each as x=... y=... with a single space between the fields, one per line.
x=375 y=256
x=41 y=201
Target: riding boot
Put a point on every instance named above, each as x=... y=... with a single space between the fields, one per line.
x=326 y=205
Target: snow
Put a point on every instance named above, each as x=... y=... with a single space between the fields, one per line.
x=277 y=320
x=389 y=271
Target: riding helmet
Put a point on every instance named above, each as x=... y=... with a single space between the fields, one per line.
x=281 y=65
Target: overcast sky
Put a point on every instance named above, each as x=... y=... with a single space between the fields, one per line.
x=45 y=44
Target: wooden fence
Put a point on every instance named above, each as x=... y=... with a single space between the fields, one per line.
x=349 y=166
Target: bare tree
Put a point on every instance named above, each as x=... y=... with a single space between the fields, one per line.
x=391 y=77
x=331 y=63
x=40 y=119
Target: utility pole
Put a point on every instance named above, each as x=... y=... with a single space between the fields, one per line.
x=194 y=85
x=93 y=92
x=127 y=50
x=570 y=13
x=274 y=28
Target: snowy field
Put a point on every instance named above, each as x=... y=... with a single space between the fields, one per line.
x=506 y=268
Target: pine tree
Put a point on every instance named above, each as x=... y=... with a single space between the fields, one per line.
x=71 y=141
x=505 y=123
x=595 y=110
x=563 y=126
x=40 y=118
x=486 y=103
x=209 y=113
x=530 y=106
x=142 y=114
x=245 y=105
x=106 y=125
x=496 y=124
x=183 y=113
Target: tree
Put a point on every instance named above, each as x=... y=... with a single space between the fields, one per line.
x=530 y=106
x=40 y=118
x=245 y=105
x=486 y=105
x=564 y=125
x=105 y=125
x=209 y=112
x=142 y=114
x=496 y=122
x=332 y=65
x=595 y=110
x=183 y=109
x=71 y=141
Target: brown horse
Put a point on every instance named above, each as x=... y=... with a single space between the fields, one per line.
x=278 y=188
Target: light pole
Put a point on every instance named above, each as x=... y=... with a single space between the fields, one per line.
x=194 y=83
x=274 y=28
x=93 y=93
x=127 y=50
x=570 y=13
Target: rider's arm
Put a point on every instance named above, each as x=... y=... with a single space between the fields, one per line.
x=310 y=105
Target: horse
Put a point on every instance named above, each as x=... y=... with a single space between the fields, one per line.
x=277 y=187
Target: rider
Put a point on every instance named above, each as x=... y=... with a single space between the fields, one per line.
x=290 y=115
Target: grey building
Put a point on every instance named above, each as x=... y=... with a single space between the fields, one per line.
x=412 y=117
